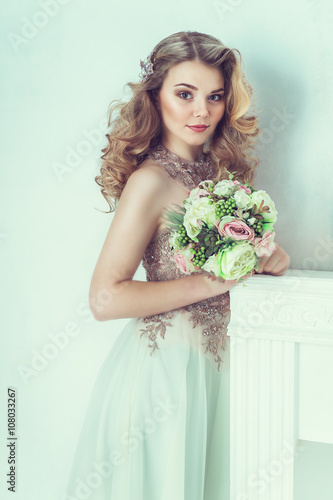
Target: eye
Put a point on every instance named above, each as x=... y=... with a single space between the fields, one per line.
x=219 y=97
x=184 y=92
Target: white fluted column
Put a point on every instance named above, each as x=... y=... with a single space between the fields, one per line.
x=273 y=322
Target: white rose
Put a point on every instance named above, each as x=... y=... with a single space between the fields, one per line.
x=258 y=197
x=173 y=240
x=224 y=188
x=212 y=265
x=242 y=199
x=192 y=195
x=199 y=211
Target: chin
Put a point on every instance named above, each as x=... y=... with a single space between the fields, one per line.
x=197 y=141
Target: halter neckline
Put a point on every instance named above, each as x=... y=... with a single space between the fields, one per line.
x=189 y=173
x=182 y=161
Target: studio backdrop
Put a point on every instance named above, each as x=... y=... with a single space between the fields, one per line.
x=63 y=61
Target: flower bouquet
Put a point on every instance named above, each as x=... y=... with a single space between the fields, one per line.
x=223 y=228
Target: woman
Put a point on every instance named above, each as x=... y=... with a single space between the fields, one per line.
x=149 y=432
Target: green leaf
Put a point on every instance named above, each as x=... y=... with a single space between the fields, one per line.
x=174 y=218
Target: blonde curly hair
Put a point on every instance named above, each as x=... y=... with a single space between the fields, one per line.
x=138 y=124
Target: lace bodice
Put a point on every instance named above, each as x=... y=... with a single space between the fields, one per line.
x=210 y=315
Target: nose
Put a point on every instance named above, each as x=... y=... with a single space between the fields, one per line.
x=200 y=107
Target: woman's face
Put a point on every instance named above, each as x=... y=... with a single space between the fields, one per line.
x=192 y=93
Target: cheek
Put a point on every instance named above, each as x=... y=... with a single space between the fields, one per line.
x=219 y=112
x=173 y=110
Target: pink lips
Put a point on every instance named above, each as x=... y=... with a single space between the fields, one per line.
x=198 y=128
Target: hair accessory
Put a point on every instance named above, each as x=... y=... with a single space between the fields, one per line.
x=147 y=68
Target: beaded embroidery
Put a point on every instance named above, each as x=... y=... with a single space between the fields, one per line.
x=210 y=315
x=189 y=173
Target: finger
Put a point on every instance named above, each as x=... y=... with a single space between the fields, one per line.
x=273 y=264
x=262 y=264
x=278 y=271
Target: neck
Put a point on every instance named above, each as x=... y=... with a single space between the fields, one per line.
x=185 y=151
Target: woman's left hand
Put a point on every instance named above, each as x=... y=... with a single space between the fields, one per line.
x=277 y=264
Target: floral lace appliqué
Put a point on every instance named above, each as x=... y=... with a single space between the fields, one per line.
x=212 y=315
x=156 y=324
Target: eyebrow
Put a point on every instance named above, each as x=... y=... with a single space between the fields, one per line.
x=195 y=88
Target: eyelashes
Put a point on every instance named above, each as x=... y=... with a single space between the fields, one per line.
x=220 y=96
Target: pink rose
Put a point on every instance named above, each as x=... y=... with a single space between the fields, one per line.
x=265 y=245
x=236 y=229
x=246 y=189
x=183 y=259
x=235 y=183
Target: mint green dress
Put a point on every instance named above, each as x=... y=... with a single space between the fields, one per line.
x=153 y=428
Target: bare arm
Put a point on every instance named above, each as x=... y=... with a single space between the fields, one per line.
x=113 y=293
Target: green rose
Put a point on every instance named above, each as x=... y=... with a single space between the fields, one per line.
x=237 y=261
x=199 y=211
x=258 y=197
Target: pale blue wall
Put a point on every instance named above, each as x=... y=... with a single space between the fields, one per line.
x=57 y=81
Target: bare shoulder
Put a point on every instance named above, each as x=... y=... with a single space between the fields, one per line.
x=173 y=186
x=148 y=184
x=152 y=171
x=151 y=167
